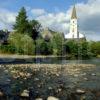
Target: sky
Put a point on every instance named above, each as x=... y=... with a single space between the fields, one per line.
x=55 y=14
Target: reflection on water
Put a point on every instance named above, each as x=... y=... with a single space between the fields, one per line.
x=47 y=60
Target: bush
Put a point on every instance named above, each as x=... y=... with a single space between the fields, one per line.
x=58 y=44
x=95 y=48
x=43 y=47
x=78 y=49
x=23 y=43
x=7 y=49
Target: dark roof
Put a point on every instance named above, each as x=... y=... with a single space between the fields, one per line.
x=74 y=15
x=3 y=36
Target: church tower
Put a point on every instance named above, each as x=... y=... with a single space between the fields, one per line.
x=73 y=31
x=73 y=24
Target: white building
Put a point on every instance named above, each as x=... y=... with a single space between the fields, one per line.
x=73 y=32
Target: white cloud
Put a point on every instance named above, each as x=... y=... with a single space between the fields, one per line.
x=88 y=18
x=38 y=12
x=88 y=15
x=7 y=18
x=57 y=21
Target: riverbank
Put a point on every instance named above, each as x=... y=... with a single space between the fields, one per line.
x=26 y=56
x=62 y=81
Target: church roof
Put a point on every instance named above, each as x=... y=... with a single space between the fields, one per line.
x=74 y=15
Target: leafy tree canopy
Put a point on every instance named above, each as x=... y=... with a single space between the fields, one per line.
x=34 y=29
x=21 y=24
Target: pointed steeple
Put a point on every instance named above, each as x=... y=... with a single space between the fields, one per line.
x=74 y=15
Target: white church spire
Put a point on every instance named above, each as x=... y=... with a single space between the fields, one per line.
x=73 y=24
x=74 y=33
x=74 y=15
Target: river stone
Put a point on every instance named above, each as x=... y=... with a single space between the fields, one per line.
x=25 y=93
x=50 y=88
x=8 y=80
x=36 y=79
x=76 y=75
x=88 y=96
x=57 y=75
x=83 y=74
x=80 y=91
x=86 y=79
x=52 y=98
x=38 y=99
x=1 y=94
x=93 y=74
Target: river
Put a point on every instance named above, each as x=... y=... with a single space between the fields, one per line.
x=46 y=60
x=17 y=75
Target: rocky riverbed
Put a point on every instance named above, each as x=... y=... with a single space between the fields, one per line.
x=49 y=82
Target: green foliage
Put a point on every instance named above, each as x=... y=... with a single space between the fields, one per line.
x=24 y=26
x=21 y=24
x=86 y=51
x=57 y=43
x=95 y=48
x=72 y=46
x=23 y=43
x=43 y=47
x=34 y=28
x=78 y=49
x=7 y=49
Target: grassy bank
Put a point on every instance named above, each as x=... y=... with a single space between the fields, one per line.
x=26 y=56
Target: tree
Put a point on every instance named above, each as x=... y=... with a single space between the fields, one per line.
x=95 y=48
x=71 y=48
x=78 y=49
x=7 y=49
x=34 y=29
x=43 y=47
x=57 y=42
x=23 y=43
x=21 y=24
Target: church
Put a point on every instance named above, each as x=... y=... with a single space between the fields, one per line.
x=73 y=31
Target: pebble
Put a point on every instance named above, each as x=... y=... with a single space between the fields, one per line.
x=52 y=98
x=88 y=96
x=1 y=94
x=38 y=85
x=50 y=88
x=36 y=79
x=86 y=79
x=93 y=74
x=6 y=71
x=57 y=75
x=59 y=90
x=76 y=75
x=38 y=99
x=80 y=91
x=83 y=74
x=25 y=93
x=0 y=66
x=8 y=80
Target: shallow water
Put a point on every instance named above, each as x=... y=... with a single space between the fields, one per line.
x=82 y=78
x=47 y=60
